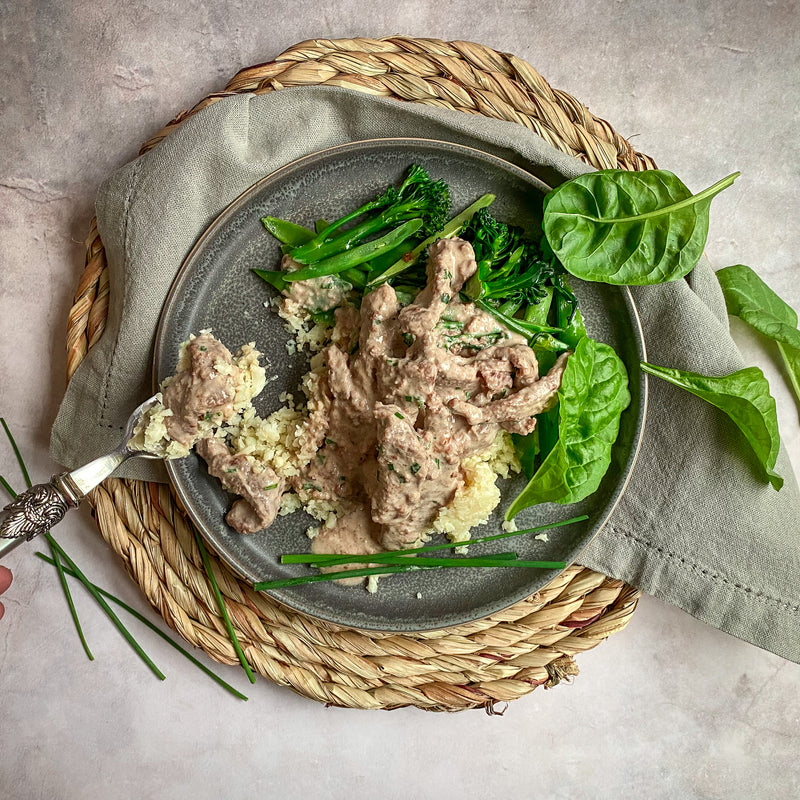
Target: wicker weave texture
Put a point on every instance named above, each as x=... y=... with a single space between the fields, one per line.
x=480 y=664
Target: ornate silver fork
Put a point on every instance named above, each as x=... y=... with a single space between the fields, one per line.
x=39 y=508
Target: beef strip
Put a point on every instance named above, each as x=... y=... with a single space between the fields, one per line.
x=259 y=488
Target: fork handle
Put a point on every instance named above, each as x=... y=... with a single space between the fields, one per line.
x=37 y=510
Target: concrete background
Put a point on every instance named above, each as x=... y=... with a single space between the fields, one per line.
x=669 y=708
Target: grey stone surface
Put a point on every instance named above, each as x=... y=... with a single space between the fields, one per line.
x=669 y=708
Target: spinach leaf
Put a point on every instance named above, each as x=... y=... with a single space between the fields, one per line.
x=750 y=299
x=527 y=448
x=744 y=396
x=592 y=397
x=791 y=358
x=635 y=228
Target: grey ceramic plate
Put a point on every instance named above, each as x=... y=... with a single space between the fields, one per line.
x=216 y=289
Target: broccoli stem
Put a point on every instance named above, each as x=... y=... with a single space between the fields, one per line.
x=537 y=312
x=452 y=228
x=356 y=256
x=527 y=329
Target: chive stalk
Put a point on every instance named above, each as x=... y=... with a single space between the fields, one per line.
x=134 y=613
x=126 y=634
x=331 y=559
x=222 y=608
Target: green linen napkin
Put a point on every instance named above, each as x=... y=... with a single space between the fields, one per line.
x=696 y=527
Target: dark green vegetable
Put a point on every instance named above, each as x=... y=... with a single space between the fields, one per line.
x=750 y=299
x=333 y=558
x=222 y=608
x=134 y=613
x=547 y=428
x=528 y=329
x=273 y=278
x=355 y=277
x=527 y=448
x=418 y=197
x=568 y=315
x=510 y=267
x=450 y=229
x=537 y=312
x=635 y=228
x=493 y=241
x=744 y=396
x=287 y=232
x=357 y=255
x=592 y=396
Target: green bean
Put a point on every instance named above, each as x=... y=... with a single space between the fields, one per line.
x=357 y=255
x=287 y=232
x=273 y=277
x=355 y=276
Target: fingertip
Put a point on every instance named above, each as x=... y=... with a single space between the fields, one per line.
x=5 y=578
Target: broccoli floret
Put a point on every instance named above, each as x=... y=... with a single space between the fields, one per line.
x=511 y=268
x=493 y=241
x=418 y=197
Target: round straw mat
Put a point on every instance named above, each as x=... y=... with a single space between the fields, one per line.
x=493 y=660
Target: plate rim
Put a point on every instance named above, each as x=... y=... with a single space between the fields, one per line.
x=229 y=210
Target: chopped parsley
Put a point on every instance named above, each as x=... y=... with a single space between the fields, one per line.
x=270 y=487
x=445 y=298
x=399 y=415
x=330 y=441
x=415 y=468
x=408 y=338
x=232 y=469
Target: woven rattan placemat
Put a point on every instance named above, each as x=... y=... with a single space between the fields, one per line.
x=493 y=660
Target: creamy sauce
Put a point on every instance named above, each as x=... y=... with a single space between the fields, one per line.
x=428 y=385
x=406 y=394
x=258 y=487
x=316 y=294
x=204 y=389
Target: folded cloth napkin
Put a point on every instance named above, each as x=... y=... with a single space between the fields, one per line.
x=696 y=527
